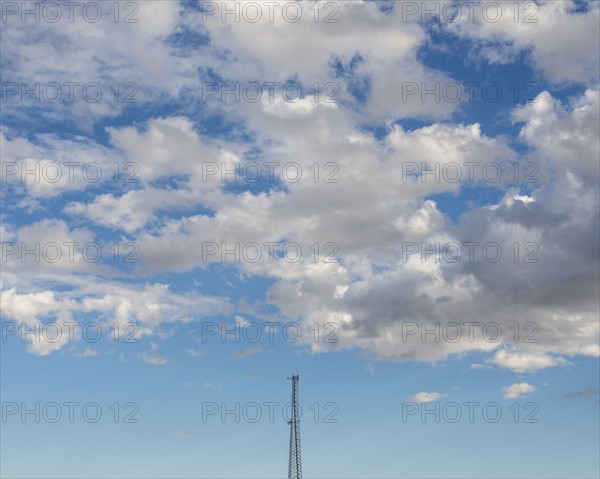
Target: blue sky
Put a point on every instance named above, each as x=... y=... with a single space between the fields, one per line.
x=435 y=263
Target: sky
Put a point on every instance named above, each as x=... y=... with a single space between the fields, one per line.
x=397 y=201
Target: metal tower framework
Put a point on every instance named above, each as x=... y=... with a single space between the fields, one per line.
x=295 y=464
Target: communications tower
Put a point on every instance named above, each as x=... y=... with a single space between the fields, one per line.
x=295 y=464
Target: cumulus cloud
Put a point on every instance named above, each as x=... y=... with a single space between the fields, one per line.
x=425 y=397
x=152 y=356
x=499 y=36
x=136 y=311
x=54 y=338
x=373 y=292
x=48 y=165
x=121 y=60
x=524 y=363
x=363 y=292
x=517 y=390
x=326 y=52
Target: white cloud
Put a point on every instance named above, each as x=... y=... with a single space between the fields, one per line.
x=48 y=165
x=88 y=353
x=517 y=390
x=54 y=338
x=194 y=352
x=574 y=150
x=138 y=310
x=560 y=42
x=369 y=213
x=384 y=212
x=526 y=363
x=359 y=42
x=424 y=397
x=103 y=52
x=152 y=356
x=371 y=294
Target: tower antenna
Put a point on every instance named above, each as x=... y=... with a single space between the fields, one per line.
x=295 y=464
